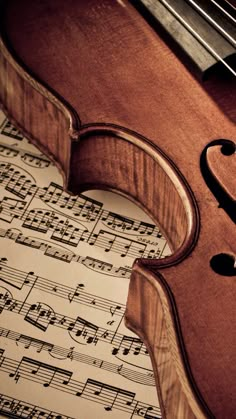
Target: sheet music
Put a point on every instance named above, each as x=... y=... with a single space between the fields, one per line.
x=65 y=264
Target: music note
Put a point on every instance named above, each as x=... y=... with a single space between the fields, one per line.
x=88 y=331
x=147 y=412
x=96 y=264
x=19 y=184
x=82 y=207
x=67 y=233
x=123 y=272
x=57 y=253
x=39 y=315
x=129 y=345
x=28 y=241
x=61 y=380
x=40 y=345
x=110 y=396
x=115 y=309
x=51 y=194
x=39 y=220
x=10 y=131
x=45 y=374
x=7 y=302
x=10 y=407
x=35 y=161
x=76 y=293
x=8 y=151
x=129 y=225
x=117 y=222
x=67 y=306
x=1 y=353
x=11 y=208
x=17 y=281
x=113 y=242
x=15 y=371
x=89 y=210
x=59 y=352
x=148 y=229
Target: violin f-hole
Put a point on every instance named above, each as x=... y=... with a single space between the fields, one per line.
x=214 y=182
x=224 y=264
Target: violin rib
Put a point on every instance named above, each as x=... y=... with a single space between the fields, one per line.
x=116 y=109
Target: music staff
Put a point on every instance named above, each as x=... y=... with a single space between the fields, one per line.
x=15 y=408
x=82 y=207
x=42 y=316
x=6 y=151
x=9 y=130
x=30 y=159
x=21 y=183
x=110 y=397
x=127 y=225
x=18 y=279
x=87 y=209
x=65 y=255
x=43 y=220
x=144 y=377
x=35 y=160
x=63 y=231
x=17 y=181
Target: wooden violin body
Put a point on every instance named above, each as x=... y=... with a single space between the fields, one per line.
x=96 y=88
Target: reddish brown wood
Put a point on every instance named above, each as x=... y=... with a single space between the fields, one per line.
x=99 y=91
x=221 y=165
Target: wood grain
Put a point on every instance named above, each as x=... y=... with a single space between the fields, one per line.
x=116 y=109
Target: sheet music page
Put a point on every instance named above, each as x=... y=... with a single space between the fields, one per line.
x=65 y=264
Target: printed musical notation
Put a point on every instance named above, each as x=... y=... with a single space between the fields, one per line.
x=65 y=264
x=48 y=375
x=55 y=351
x=8 y=130
x=14 y=408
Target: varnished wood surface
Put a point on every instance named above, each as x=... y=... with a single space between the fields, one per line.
x=187 y=24
x=132 y=101
x=220 y=165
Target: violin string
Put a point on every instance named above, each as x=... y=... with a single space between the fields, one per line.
x=223 y=10
x=197 y=36
x=209 y=18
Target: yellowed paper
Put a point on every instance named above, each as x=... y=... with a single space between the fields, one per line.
x=64 y=273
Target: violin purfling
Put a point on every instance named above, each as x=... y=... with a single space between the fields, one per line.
x=99 y=91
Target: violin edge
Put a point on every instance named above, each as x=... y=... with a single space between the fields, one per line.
x=35 y=95
x=43 y=97
x=51 y=105
x=161 y=333
x=75 y=135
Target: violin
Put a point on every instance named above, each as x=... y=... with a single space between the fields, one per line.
x=103 y=89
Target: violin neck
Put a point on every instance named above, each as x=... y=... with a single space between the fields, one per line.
x=202 y=31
